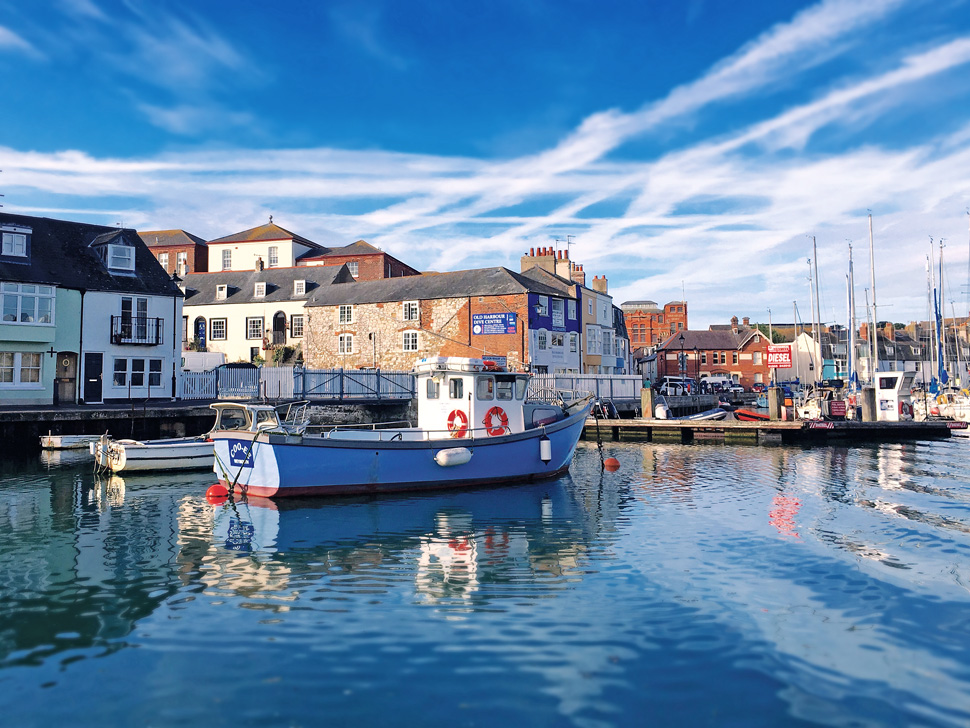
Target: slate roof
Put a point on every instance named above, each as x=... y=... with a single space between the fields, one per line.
x=709 y=340
x=164 y=238
x=424 y=287
x=61 y=254
x=200 y=288
x=563 y=285
x=270 y=231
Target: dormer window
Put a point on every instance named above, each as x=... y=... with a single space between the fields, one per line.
x=299 y=288
x=120 y=257
x=15 y=244
x=260 y=291
x=222 y=292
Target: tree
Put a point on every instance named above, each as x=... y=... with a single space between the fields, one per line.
x=776 y=338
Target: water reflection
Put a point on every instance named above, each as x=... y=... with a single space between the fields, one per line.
x=461 y=549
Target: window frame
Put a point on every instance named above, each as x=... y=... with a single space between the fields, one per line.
x=543 y=303
x=259 y=290
x=227 y=259
x=163 y=260
x=411 y=336
x=571 y=309
x=345 y=344
x=273 y=256
x=250 y=320
x=25 y=291
x=213 y=322
x=12 y=236
x=116 y=261
x=410 y=311
x=299 y=288
x=17 y=367
x=354 y=267
x=345 y=313
x=222 y=292
x=293 y=327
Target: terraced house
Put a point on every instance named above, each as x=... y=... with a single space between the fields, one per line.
x=88 y=315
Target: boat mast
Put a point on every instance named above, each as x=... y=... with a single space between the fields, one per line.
x=941 y=315
x=811 y=291
x=795 y=353
x=850 y=358
x=874 y=340
x=771 y=339
x=930 y=345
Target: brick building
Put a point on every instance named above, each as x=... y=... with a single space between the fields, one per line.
x=736 y=351
x=649 y=325
x=178 y=251
x=489 y=313
x=366 y=263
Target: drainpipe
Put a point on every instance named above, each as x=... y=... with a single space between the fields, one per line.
x=78 y=389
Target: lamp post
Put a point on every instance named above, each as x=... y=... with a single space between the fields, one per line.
x=697 y=365
x=681 y=361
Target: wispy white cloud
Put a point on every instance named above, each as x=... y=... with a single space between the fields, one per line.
x=10 y=42
x=441 y=213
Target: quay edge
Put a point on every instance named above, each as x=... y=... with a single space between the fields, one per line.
x=802 y=432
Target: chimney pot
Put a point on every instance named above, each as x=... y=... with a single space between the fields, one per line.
x=532 y=252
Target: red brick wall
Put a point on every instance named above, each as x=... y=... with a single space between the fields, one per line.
x=198 y=257
x=655 y=331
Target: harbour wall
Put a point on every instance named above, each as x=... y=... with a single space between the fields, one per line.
x=21 y=428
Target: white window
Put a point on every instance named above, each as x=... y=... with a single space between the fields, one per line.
x=541 y=340
x=25 y=303
x=556 y=338
x=254 y=327
x=543 y=305
x=163 y=260
x=137 y=372
x=574 y=342
x=14 y=244
x=121 y=257
x=274 y=256
x=226 y=259
x=154 y=372
x=299 y=288
x=756 y=358
x=20 y=369
x=558 y=308
x=353 y=268
x=589 y=304
x=345 y=344
x=181 y=263
x=593 y=340
x=222 y=292
x=120 y=378
x=411 y=311
x=571 y=310
x=607 y=343
x=346 y=315
x=296 y=325
x=217 y=329
x=410 y=341
x=260 y=291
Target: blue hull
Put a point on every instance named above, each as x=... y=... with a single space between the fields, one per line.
x=279 y=465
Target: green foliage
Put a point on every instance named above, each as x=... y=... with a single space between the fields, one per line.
x=776 y=338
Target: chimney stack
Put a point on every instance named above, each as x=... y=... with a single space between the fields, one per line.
x=746 y=321
x=734 y=324
x=599 y=284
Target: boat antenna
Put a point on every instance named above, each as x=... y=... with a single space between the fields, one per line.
x=875 y=316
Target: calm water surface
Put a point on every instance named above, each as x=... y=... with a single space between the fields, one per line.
x=698 y=585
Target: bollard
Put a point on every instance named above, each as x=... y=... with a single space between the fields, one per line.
x=776 y=399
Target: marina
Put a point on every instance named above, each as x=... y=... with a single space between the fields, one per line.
x=696 y=585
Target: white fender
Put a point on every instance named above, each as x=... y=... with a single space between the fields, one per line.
x=453 y=456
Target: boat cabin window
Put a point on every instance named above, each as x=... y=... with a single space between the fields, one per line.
x=265 y=419
x=233 y=419
x=432 y=391
x=486 y=388
x=456 y=388
x=521 y=387
x=503 y=387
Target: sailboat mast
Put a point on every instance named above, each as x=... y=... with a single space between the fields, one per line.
x=811 y=293
x=874 y=339
x=794 y=306
x=850 y=359
x=941 y=313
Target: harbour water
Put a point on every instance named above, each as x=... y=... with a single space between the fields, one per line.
x=696 y=585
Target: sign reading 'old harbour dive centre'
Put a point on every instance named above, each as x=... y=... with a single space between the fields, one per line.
x=493 y=323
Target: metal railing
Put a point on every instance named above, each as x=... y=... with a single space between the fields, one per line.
x=613 y=387
x=137 y=330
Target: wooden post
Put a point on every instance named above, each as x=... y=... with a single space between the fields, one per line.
x=776 y=400
x=646 y=402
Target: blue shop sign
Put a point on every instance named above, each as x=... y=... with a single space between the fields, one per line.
x=493 y=323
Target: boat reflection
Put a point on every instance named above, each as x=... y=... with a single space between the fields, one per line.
x=456 y=548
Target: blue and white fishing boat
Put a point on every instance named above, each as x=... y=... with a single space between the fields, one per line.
x=477 y=424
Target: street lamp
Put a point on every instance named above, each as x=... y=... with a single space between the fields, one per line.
x=682 y=362
x=697 y=364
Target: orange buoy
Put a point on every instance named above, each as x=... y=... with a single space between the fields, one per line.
x=217 y=494
x=611 y=464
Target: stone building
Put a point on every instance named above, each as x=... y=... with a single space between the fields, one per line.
x=490 y=313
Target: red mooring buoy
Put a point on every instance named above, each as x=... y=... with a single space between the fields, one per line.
x=217 y=494
x=611 y=464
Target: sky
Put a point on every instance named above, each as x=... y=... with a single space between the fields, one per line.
x=689 y=149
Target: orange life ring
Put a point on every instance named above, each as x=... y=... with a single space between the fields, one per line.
x=458 y=423
x=491 y=427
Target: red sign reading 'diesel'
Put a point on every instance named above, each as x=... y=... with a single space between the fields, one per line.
x=779 y=356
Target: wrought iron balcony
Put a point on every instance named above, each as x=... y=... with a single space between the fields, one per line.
x=137 y=330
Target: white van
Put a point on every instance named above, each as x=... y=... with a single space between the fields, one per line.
x=675 y=386
x=712 y=385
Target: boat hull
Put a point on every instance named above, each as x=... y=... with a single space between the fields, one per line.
x=749 y=416
x=178 y=454
x=274 y=465
x=67 y=442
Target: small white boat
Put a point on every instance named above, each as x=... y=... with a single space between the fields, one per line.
x=66 y=442
x=189 y=453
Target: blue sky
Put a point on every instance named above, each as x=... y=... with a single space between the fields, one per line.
x=688 y=146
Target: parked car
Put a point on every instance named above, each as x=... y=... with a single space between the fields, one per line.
x=759 y=387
